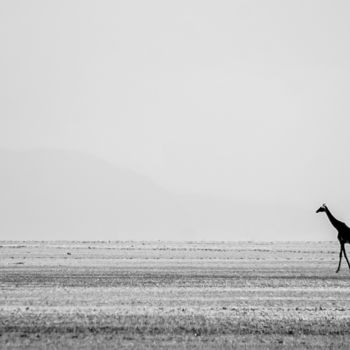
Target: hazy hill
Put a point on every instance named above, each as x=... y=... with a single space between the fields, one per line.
x=58 y=194
x=71 y=195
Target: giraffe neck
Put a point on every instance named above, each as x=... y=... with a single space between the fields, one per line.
x=332 y=219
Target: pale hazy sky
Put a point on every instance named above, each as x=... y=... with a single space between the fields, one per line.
x=247 y=99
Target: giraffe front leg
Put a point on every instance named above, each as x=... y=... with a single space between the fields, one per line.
x=340 y=256
x=346 y=256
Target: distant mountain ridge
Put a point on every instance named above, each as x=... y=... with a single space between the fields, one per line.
x=52 y=194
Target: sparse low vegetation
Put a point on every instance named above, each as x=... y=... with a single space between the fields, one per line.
x=173 y=295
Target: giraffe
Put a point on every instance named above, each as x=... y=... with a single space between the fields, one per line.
x=343 y=232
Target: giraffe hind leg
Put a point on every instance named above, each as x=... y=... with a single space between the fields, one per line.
x=340 y=256
x=346 y=256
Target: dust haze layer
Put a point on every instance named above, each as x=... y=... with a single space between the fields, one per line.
x=247 y=99
x=50 y=194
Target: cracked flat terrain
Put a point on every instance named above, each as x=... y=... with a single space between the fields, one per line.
x=194 y=295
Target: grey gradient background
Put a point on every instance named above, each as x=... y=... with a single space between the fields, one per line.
x=173 y=119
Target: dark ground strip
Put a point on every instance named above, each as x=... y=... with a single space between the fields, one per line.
x=175 y=325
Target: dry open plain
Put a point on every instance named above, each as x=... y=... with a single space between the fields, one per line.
x=173 y=295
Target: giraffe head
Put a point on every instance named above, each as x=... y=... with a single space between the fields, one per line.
x=321 y=208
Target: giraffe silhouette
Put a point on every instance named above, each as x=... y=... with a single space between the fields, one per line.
x=343 y=232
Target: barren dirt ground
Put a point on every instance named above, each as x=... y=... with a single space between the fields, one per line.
x=173 y=295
